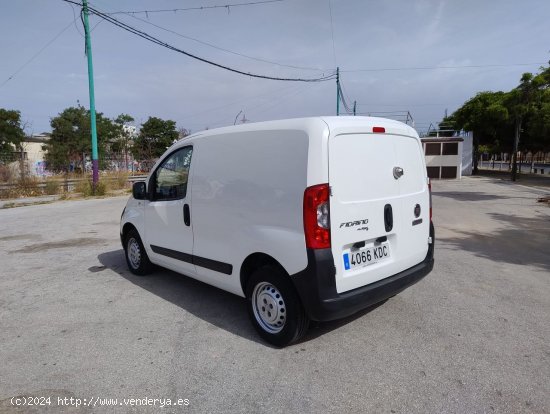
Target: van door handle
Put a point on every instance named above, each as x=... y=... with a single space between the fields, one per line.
x=186 y=215
x=388 y=218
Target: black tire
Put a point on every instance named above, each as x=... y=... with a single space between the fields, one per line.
x=136 y=256
x=275 y=308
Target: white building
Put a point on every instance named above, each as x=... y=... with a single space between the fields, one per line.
x=448 y=157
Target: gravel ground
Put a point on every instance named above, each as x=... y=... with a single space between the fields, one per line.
x=472 y=337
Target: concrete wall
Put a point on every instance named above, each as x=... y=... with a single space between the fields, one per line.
x=467 y=153
x=35 y=156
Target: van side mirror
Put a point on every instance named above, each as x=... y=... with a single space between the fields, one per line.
x=139 y=190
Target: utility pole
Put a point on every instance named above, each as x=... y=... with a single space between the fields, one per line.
x=337 y=91
x=95 y=162
x=354 y=107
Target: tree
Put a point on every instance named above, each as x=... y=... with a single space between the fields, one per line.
x=529 y=106
x=123 y=140
x=519 y=102
x=154 y=137
x=70 y=140
x=11 y=134
x=537 y=126
x=486 y=116
x=536 y=131
x=497 y=118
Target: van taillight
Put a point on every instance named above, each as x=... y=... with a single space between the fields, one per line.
x=317 y=216
x=430 y=191
x=378 y=130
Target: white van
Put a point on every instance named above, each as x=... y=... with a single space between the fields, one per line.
x=309 y=219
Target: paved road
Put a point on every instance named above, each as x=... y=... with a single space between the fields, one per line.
x=472 y=337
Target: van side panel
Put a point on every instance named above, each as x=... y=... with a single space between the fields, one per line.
x=247 y=197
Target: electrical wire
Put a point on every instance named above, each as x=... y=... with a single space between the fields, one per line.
x=402 y=116
x=159 y=42
x=343 y=96
x=222 y=6
x=38 y=53
x=332 y=32
x=341 y=89
x=444 y=67
x=74 y=21
x=401 y=105
x=343 y=99
x=344 y=102
x=296 y=90
x=387 y=112
x=275 y=102
x=265 y=93
x=216 y=47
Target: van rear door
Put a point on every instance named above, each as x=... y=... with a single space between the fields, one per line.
x=377 y=180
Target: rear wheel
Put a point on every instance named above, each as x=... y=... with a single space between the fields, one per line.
x=136 y=256
x=274 y=307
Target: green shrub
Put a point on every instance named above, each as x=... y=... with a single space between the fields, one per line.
x=84 y=187
x=26 y=187
x=51 y=187
x=121 y=181
x=6 y=174
x=101 y=188
x=87 y=189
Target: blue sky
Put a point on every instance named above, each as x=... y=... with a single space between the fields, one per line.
x=380 y=38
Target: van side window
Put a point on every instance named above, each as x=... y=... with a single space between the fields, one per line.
x=171 y=176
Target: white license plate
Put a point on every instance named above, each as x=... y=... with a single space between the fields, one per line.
x=366 y=256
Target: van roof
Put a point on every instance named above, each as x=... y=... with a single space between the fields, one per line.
x=334 y=123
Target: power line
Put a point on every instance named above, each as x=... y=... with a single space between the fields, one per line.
x=74 y=21
x=443 y=67
x=265 y=93
x=343 y=98
x=344 y=102
x=159 y=42
x=275 y=102
x=402 y=105
x=386 y=112
x=214 y=46
x=332 y=33
x=403 y=116
x=221 y=6
x=38 y=53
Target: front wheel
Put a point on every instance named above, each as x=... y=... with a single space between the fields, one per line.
x=275 y=308
x=136 y=256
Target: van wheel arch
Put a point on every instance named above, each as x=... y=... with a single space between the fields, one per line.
x=274 y=307
x=134 y=252
x=254 y=262
x=125 y=229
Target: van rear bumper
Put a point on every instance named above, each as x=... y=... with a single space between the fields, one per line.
x=317 y=287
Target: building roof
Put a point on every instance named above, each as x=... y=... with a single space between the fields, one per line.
x=442 y=139
x=43 y=137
